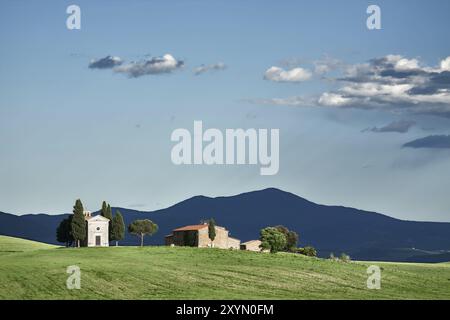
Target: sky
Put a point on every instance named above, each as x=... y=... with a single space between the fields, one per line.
x=364 y=115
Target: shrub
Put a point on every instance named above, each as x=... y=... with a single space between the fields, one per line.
x=307 y=251
x=345 y=257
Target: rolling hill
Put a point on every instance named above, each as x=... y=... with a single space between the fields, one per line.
x=362 y=234
x=11 y=244
x=37 y=271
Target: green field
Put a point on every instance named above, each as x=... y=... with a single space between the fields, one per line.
x=31 y=270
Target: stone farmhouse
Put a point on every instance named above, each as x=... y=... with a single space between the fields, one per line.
x=252 y=245
x=197 y=236
x=97 y=228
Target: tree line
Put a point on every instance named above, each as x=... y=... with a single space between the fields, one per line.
x=72 y=231
x=273 y=239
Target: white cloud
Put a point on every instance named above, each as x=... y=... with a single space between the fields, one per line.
x=156 y=65
x=373 y=89
x=277 y=74
x=402 y=64
x=333 y=100
x=445 y=64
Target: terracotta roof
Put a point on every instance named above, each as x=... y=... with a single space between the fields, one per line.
x=192 y=228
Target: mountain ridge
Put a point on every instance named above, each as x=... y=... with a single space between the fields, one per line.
x=239 y=194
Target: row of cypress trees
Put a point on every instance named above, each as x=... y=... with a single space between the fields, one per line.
x=116 y=224
x=72 y=230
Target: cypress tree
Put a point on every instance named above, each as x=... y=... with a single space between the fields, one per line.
x=107 y=213
x=103 y=212
x=211 y=230
x=110 y=217
x=118 y=227
x=78 y=224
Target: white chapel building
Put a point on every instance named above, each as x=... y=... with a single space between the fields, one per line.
x=97 y=230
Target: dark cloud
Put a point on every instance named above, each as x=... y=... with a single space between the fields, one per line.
x=441 y=78
x=151 y=66
x=400 y=74
x=434 y=141
x=107 y=62
x=401 y=126
x=435 y=83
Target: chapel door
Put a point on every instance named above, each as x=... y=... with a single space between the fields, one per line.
x=98 y=240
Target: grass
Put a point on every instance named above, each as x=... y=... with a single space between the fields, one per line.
x=38 y=271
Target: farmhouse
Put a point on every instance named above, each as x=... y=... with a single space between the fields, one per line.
x=97 y=228
x=252 y=245
x=197 y=236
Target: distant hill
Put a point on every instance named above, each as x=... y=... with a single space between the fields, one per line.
x=362 y=234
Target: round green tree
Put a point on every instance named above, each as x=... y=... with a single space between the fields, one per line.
x=272 y=239
x=64 y=232
x=142 y=228
x=291 y=238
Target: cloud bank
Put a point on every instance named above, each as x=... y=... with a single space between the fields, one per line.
x=392 y=83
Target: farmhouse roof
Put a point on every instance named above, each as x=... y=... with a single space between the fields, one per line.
x=192 y=228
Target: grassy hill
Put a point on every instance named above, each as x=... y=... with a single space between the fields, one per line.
x=11 y=244
x=30 y=270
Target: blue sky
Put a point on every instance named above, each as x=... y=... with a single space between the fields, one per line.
x=68 y=131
